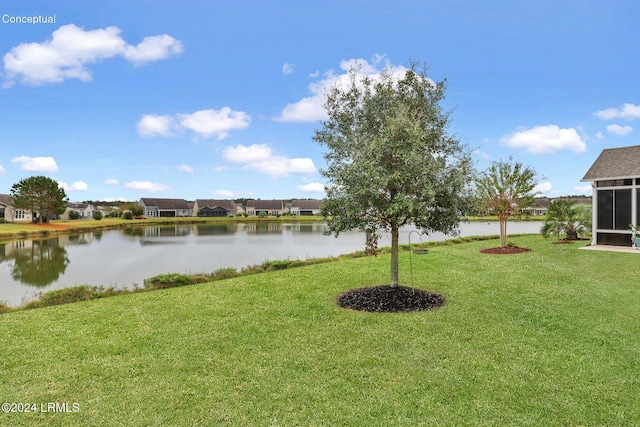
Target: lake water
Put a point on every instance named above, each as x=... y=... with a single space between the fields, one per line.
x=125 y=257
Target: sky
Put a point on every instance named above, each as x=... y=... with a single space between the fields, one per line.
x=220 y=100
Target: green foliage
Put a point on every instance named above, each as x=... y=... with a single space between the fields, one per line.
x=506 y=188
x=390 y=159
x=97 y=215
x=127 y=214
x=39 y=194
x=565 y=217
x=171 y=280
x=71 y=295
x=74 y=215
x=262 y=214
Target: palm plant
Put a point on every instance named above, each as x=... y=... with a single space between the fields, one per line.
x=564 y=217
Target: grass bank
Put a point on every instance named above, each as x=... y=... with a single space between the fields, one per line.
x=549 y=337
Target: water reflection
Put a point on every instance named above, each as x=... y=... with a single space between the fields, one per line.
x=38 y=262
x=264 y=228
x=216 y=229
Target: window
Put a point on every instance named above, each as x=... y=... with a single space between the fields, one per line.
x=614 y=182
x=20 y=214
x=614 y=209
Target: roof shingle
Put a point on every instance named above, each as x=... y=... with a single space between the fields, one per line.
x=614 y=163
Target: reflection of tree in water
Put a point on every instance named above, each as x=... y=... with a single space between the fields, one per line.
x=42 y=264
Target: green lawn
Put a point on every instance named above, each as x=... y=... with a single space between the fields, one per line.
x=550 y=337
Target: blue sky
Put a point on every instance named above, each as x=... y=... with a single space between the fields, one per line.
x=213 y=99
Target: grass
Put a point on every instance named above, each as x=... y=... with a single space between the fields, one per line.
x=549 y=337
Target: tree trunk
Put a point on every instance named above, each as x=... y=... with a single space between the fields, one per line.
x=394 y=256
x=503 y=232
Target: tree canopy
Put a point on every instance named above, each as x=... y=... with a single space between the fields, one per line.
x=39 y=194
x=390 y=158
x=506 y=188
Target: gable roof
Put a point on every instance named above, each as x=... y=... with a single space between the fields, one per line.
x=168 y=204
x=306 y=204
x=229 y=205
x=614 y=163
x=265 y=204
x=6 y=200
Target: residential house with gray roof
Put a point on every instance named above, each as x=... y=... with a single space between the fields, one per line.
x=211 y=207
x=10 y=214
x=154 y=208
x=615 y=178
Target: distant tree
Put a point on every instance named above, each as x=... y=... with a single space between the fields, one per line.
x=506 y=188
x=97 y=215
x=565 y=217
x=390 y=160
x=39 y=194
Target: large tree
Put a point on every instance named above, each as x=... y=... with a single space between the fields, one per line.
x=390 y=159
x=506 y=188
x=39 y=194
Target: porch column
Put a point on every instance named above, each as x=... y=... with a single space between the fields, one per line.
x=594 y=213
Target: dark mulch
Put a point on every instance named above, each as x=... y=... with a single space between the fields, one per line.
x=389 y=299
x=505 y=251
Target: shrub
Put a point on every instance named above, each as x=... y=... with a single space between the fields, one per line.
x=74 y=215
x=2 y=221
x=97 y=215
x=225 y=273
x=262 y=214
x=127 y=215
x=278 y=264
x=163 y=281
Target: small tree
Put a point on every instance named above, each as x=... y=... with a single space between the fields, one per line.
x=39 y=194
x=505 y=189
x=565 y=217
x=390 y=159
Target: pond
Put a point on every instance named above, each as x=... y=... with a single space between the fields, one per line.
x=125 y=257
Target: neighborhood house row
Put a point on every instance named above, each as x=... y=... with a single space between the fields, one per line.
x=156 y=208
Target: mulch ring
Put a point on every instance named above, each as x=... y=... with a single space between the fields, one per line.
x=505 y=251
x=389 y=299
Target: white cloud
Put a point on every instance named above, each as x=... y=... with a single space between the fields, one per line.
x=2 y=170
x=545 y=140
x=154 y=125
x=146 y=186
x=599 y=135
x=260 y=157
x=312 y=187
x=112 y=199
x=223 y=193
x=482 y=154
x=112 y=182
x=186 y=168
x=311 y=108
x=288 y=68
x=76 y=186
x=583 y=189
x=253 y=154
x=627 y=112
x=153 y=48
x=36 y=164
x=619 y=130
x=542 y=188
x=207 y=123
x=71 y=49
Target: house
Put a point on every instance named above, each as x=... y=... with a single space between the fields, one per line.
x=9 y=214
x=615 y=179
x=270 y=207
x=305 y=207
x=84 y=210
x=209 y=207
x=539 y=207
x=154 y=208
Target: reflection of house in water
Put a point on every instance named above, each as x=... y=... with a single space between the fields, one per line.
x=157 y=234
x=264 y=228
x=76 y=239
x=306 y=228
x=9 y=250
x=216 y=229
